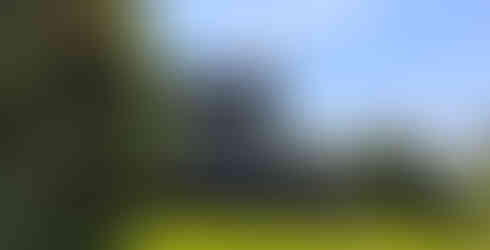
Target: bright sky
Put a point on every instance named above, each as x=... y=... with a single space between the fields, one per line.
x=428 y=58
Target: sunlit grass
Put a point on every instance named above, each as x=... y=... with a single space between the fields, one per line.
x=244 y=228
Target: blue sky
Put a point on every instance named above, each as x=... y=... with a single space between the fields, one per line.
x=426 y=58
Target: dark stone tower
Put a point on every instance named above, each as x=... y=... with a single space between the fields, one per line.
x=233 y=118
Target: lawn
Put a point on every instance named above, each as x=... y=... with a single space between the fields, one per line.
x=249 y=227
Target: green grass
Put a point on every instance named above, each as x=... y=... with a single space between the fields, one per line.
x=257 y=228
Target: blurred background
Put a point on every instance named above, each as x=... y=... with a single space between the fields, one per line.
x=153 y=124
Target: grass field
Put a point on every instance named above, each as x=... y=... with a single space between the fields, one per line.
x=253 y=228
